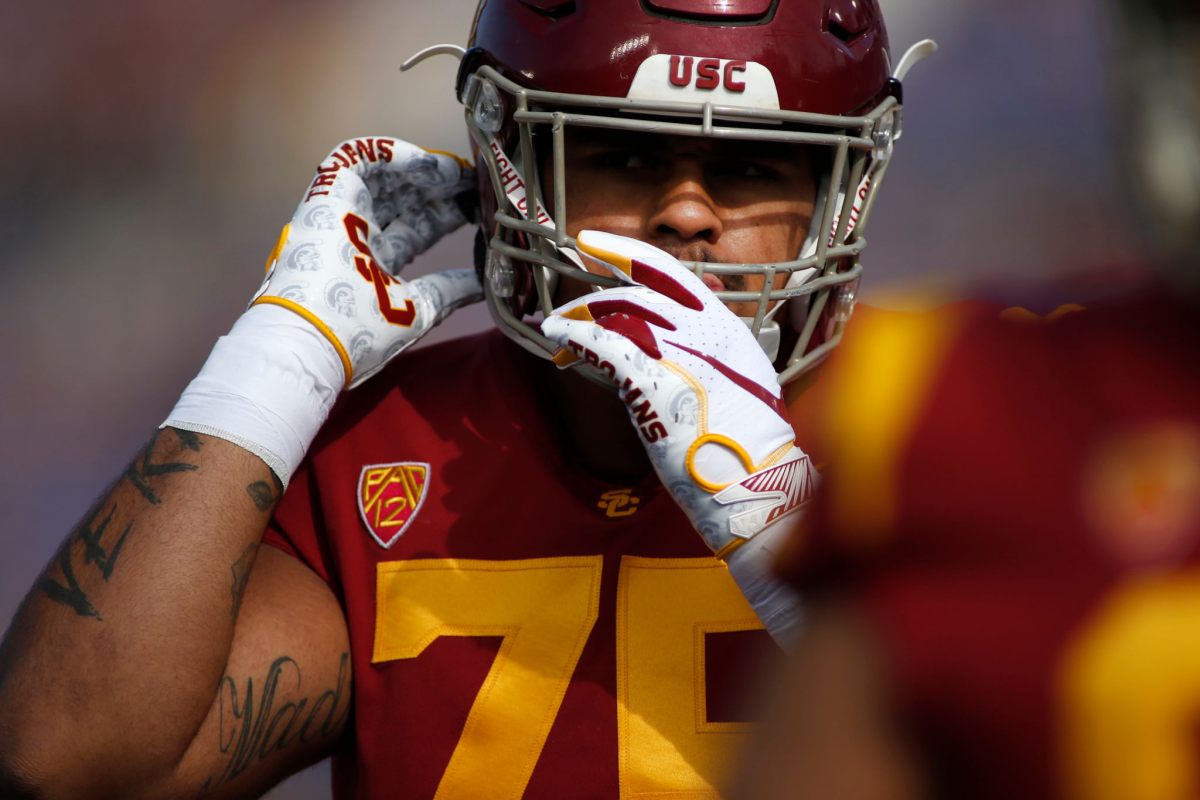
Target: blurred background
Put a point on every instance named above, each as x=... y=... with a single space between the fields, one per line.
x=155 y=149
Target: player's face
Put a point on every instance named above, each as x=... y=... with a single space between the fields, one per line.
x=698 y=199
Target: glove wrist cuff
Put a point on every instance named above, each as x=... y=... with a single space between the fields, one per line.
x=744 y=509
x=267 y=386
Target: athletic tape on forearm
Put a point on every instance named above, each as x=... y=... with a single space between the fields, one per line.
x=267 y=387
x=776 y=603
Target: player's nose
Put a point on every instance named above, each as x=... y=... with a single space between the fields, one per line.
x=684 y=211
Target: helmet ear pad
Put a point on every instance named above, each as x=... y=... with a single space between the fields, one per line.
x=487 y=213
x=468 y=204
x=481 y=251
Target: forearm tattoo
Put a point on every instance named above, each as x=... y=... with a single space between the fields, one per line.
x=93 y=546
x=140 y=475
x=263 y=495
x=241 y=573
x=94 y=554
x=252 y=727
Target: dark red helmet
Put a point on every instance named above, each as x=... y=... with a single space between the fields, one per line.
x=825 y=56
x=814 y=72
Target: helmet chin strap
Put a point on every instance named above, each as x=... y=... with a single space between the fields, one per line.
x=770 y=333
x=516 y=191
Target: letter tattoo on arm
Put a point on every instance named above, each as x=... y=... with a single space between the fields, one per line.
x=251 y=728
x=189 y=439
x=139 y=476
x=100 y=547
x=72 y=595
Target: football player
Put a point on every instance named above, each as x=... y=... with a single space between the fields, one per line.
x=1006 y=565
x=483 y=580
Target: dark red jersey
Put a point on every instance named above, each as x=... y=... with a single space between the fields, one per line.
x=518 y=628
x=1015 y=505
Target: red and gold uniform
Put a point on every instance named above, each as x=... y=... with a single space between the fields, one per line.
x=1014 y=505
x=518 y=628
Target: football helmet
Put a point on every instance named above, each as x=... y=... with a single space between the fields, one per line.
x=810 y=72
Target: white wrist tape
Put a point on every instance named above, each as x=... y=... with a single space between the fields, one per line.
x=267 y=386
x=777 y=604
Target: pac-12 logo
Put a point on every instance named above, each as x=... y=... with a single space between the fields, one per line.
x=389 y=497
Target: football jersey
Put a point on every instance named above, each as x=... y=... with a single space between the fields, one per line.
x=1014 y=504
x=517 y=627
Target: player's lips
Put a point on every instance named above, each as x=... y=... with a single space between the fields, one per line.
x=713 y=282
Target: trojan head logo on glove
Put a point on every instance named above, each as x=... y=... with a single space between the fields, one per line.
x=669 y=343
x=374 y=205
x=332 y=309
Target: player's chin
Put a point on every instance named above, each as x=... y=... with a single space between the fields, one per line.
x=570 y=289
x=743 y=309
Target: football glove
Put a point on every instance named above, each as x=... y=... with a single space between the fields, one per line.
x=706 y=403
x=332 y=310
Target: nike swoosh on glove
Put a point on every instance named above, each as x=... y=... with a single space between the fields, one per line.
x=703 y=396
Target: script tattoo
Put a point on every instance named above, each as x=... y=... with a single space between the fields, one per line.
x=252 y=728
x=99 y=549
x=241 y=574
x=139 y=476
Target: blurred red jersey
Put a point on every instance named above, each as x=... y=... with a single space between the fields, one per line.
x=1015 y=506
x=517 y=628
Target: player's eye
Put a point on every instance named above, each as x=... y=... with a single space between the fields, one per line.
x=623 y=160
x=743 y=170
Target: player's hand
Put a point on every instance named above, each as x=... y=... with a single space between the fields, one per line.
x=374 y=205
x=332 y=309
x=697 y=385
x=705 y=400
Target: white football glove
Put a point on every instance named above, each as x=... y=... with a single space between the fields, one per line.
x=331 y=310
x=706 y=402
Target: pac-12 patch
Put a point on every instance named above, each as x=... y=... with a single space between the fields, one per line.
x=389 y=497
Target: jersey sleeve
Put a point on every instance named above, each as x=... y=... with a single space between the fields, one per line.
x=297 y=528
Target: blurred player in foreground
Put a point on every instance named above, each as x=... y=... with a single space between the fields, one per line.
x=1005 y=559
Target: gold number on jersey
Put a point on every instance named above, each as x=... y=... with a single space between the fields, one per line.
x=664 y=609
x=544 y=608
x=665 y=606
x=1130 y=689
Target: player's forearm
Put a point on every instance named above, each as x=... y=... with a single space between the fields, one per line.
x=113 y=661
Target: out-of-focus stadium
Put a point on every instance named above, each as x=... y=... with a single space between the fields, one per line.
x=153 y=151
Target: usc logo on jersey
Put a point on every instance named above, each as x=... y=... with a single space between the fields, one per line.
x=389 y=497
x=619 y=503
